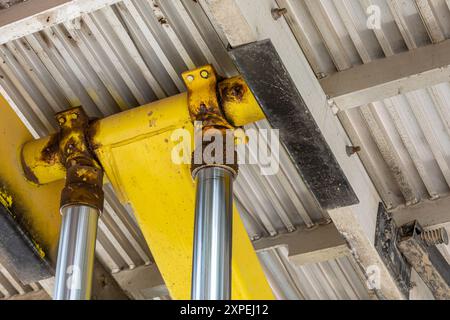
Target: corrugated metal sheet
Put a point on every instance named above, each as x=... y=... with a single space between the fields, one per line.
x=10 y=285
x=127 y=55
x=331 y=280
x=273 y=204
x=405 y=139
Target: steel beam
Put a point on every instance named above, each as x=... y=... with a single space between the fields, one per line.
x=34 y=15
x=228 y=19
x=308 y=246
x=142 y=283
x=105 y=286
x=428 y=213
x=388 y=77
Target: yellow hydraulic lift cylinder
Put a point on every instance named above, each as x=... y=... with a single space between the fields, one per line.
x=135 y=150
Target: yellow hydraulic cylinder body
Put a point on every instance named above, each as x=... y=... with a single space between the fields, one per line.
x=34 y=207
x=135 y=149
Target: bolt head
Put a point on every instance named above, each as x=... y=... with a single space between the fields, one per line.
x=190 y=78
x=335 y=109
x=277 y=13
x=204 y=74
x=351 y=150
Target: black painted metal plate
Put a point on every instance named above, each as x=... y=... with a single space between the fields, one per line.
x=386 y=245
x=285 y=109
x=18 y=252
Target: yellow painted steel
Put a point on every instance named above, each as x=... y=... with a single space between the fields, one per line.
x=36 y=208
x=162 y=195
x=238 y=102
x=203 y=103
x=239 y=106
x=42 y=165
x=135 y=148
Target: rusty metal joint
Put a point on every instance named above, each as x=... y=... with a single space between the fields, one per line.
x=207 y=113
x=84 y=175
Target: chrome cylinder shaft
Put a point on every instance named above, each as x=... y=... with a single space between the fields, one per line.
x=76 y=252
x=211 y=268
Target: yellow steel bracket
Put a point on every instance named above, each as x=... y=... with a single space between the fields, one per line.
x=203 y=103
x=235 y=98
x=135 y=149
x=220 y=105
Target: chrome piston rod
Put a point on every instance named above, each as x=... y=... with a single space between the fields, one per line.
x=76 y=253
x=211 y=268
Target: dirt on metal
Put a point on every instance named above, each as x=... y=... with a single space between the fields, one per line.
x=233 y=92
x=50 y=154
x=28 y=173
x=84 y=175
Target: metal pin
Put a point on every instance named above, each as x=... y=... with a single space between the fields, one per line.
x=204 y=74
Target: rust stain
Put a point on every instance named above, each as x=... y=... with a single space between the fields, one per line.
x=233 y=92
x=73 y=41
x=83 y=186
x=28 y=173
x=92 y=131
x=204 y=105
x=50 y=153
x=46 y=39
x=84 y=176
x=25 y=44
